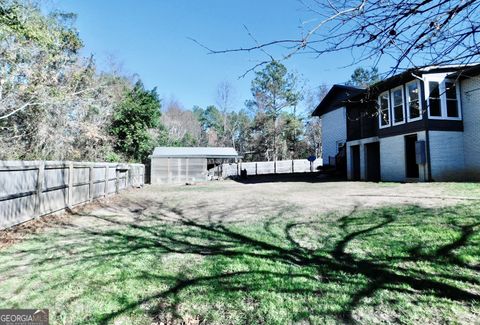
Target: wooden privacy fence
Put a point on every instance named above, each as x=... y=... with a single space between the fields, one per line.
x=270 y=167
x=30 y=189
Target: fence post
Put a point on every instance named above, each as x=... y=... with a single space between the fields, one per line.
x=107 y=176
x=90 y=188
x=293 y=166
x=256 y=168
x=70 y=185
x=40 y=179
x=117 y=180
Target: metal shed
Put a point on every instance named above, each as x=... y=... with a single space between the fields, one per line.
x=185 y=164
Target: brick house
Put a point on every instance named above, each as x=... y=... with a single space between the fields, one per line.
x=420 y=125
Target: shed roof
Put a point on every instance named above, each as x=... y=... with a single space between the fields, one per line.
x=194 y=152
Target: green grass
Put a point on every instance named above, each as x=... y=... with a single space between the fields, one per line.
x=392 y=265
x=466 y=189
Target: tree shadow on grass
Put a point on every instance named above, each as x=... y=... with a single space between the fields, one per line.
x=333 y=263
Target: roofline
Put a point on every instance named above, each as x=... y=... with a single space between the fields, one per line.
x=422 y=70
x=470 y=71
x=330 y=94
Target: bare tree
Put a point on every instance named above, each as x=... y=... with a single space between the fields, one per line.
x=313 y=126
x=180 y=123
x=412 y=33
x=225 y=93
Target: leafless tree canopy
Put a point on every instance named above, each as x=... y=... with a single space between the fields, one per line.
x=412 y=33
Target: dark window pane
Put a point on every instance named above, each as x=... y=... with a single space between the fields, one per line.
x=450 y=90
x=435 y=109
x=413 y=100
x=385 y=118
x=397 y=106
x=413 y=91
x=434 y=90
x=414 y=109
x=434 y=99
x=397 y=98
x=452 y=108
x=398 y=111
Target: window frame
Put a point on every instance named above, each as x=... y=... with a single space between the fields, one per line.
x=443 y=99
x=458 y=99
x=420 y=101
x=427 y=98
x=379 y=102
x=393 y=106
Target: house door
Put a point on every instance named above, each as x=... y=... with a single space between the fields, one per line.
x=410 y=157
x=373 y=161
x=355 y=153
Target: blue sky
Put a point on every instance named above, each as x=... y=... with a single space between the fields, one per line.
x=150 y=38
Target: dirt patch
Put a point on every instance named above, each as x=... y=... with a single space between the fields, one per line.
x=65 y=218
x=231 y=202
x=15 y=234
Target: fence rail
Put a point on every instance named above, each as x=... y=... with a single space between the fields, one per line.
x=30 y=189
x=270 y=167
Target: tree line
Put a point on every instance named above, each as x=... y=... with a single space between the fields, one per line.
x=57 y=105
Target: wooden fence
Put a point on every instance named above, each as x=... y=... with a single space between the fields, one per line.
x=30 y=189
x=270 y=167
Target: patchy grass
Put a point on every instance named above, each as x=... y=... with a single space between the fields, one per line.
x=387 y=265
x=467 y=189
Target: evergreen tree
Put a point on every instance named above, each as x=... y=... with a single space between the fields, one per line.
x=132 y=119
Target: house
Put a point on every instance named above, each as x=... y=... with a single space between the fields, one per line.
x=420 y=125
x=186 y=164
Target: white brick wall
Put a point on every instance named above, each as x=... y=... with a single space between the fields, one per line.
x=470 y=89
x=334 y=129
x=392 y=158
x=447 y=155
x=363 y=165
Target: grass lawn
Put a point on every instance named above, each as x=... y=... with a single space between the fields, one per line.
x=402 y=264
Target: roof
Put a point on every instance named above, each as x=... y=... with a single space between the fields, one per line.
x=336 y=97
x=194 y=152
x=411 y=74
x=341 y=95
x=466 y=72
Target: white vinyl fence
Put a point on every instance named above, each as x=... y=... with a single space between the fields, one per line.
x=270 y=167
x=29 y=189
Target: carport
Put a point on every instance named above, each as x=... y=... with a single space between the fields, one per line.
x=186 y=164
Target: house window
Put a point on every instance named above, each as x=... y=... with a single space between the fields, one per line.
x=443 y=100
x=434 y=99
x=451 y=98
x=384 y=110
x=413 y=101
x=397 y=103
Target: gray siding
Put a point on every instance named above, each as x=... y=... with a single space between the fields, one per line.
x=446 y=155
x=178 y=170
x=471 y=123
x=335 y=131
